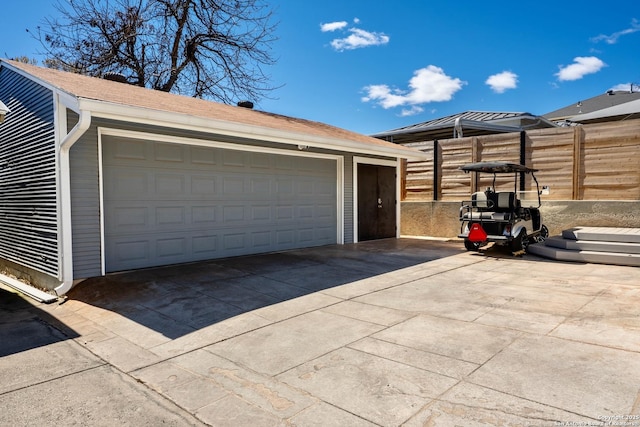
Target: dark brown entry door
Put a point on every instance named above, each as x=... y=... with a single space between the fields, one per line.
x=376 y=202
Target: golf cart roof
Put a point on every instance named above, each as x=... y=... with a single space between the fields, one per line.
x=496 y=167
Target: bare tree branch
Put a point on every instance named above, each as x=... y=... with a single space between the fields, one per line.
x=214 y=49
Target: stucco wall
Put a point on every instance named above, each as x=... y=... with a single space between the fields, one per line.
x=440 y=219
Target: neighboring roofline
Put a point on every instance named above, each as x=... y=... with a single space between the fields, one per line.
x=627 y=108
x=180 y=120
x=489 y=125
x=594 y=104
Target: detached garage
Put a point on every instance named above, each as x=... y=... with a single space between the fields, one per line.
x=98 y=176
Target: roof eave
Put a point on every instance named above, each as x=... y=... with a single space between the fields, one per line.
x=405 y=131
x=175 y=120
x=627 y=108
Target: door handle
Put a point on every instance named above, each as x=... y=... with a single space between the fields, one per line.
x=379 y=203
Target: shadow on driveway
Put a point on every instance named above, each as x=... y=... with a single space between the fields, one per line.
x=177 y=300
x=25 y=327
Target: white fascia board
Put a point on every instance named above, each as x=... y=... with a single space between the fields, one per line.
x=234 y=129
x=69 y=101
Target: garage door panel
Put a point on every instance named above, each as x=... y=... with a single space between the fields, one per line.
x=170 y=215
x=261 y=186
x=234 y=242
x=284 y=213
x=203 y=185
x=285 y=237
x=234 y=158
x=284 y=187
x=167 y=204
x=171 y=247
x=324 y=212
x=204 y=215
x=284 y=163
x=233 y=185
x=169 y=153
x=142 y=216
x=205 y=246
x=233 y=214
x=168 y=185
x=261 y=240
x=323 y=189
x=129 y=183
x=261 y=214
x=324 y=234
x=203 y=156
x=130 y=251
x=260 y=161
x=130 y=150
x=306 y=212
x=131 y=217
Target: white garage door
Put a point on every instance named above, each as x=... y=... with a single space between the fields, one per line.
x=171 y=203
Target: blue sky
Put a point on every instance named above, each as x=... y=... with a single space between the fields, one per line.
x=373 y=66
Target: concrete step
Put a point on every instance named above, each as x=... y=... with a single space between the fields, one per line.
x=613 y=258
x=593 y=245
x=607 y=234
x=602 y=245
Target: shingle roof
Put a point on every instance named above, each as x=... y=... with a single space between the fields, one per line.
x=600 y=102
x=628 y=110
x=97 y=89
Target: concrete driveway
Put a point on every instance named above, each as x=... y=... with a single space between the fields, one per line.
x=392 y=332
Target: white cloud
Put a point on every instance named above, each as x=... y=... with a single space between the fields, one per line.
x=333 y=26
x=502 y=81
x=613 y=38
x=625 y=87
x=428 y=84
x=582 y=65
x=359 y=38
x=415 y=109
x=356 y=39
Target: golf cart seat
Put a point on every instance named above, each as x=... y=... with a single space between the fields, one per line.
x=492 y=205
x=479 y=208
x=504 y=201
x=479 y=201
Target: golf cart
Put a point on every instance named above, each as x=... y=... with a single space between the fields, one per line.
x=501 y=217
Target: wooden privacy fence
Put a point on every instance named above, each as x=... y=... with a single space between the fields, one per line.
x=590 y=162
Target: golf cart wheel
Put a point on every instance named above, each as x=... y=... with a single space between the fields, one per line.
x=520 y=242
x=544 y=232
x=471 y=246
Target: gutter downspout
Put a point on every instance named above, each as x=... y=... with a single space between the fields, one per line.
x=78 y=130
